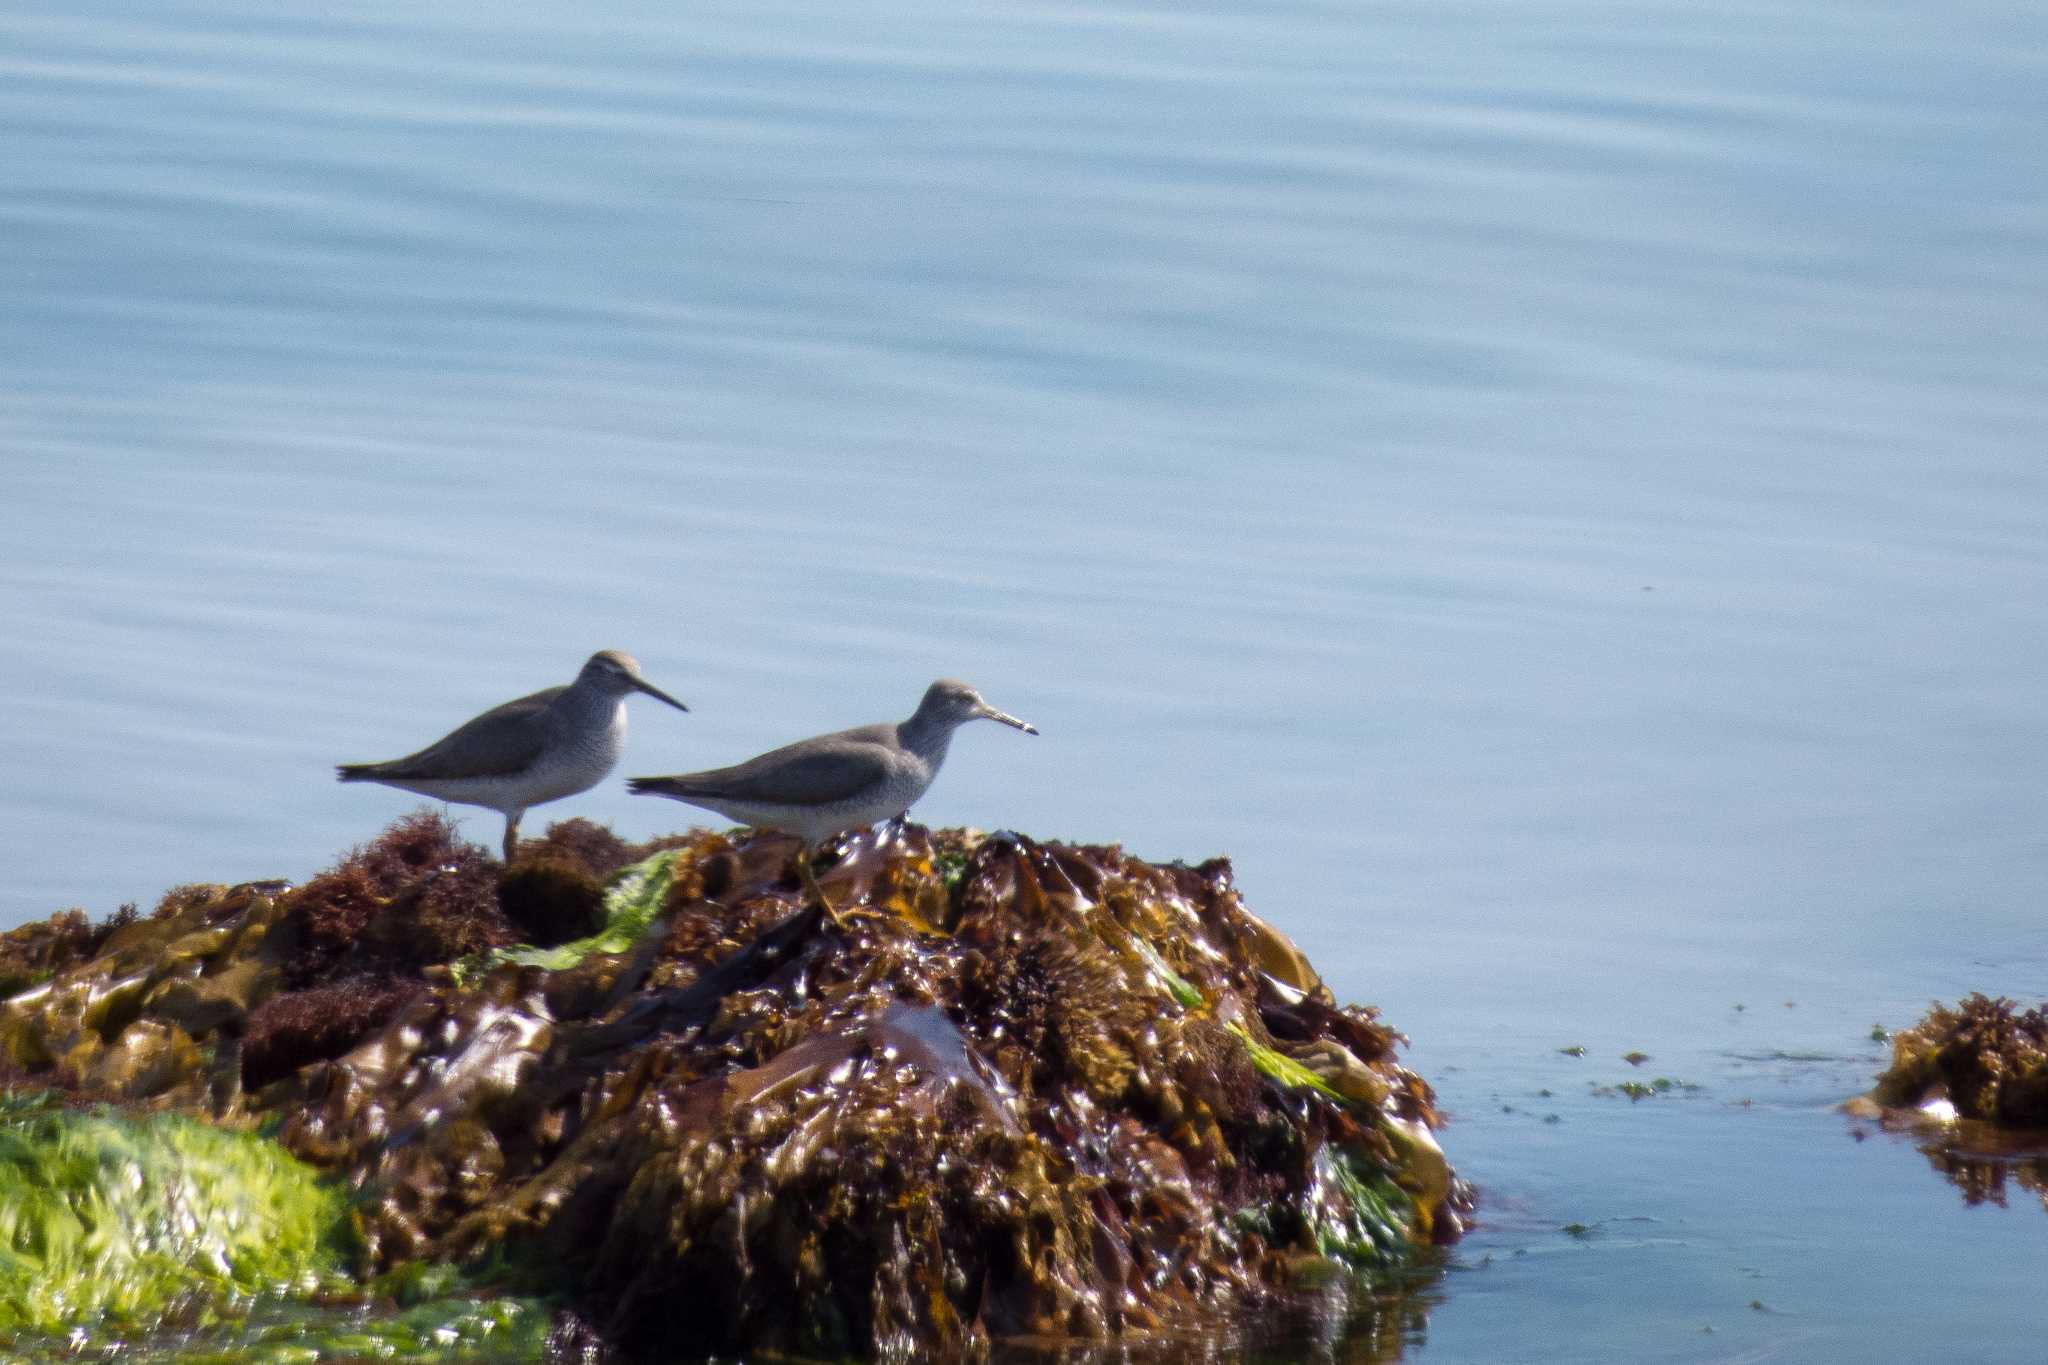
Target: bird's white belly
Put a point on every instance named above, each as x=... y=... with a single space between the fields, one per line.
x=575 y=771
x=812 y=823
x=561 y=770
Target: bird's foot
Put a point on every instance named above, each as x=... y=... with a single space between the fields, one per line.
x=840 y=918
x=809 y=878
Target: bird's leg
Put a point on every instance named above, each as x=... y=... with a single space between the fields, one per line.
x=810 y=881
x=512 y=834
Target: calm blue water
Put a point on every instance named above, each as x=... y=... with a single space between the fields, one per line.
x=1554 y=489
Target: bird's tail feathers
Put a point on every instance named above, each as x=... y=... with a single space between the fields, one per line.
x=660 y=786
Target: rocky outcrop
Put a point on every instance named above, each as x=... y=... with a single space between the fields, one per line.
x=1028 y=1089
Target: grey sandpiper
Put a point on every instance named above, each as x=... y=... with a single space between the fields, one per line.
x=818 y=787
x=555 y=743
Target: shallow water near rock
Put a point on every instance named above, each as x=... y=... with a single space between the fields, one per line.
x=1553 y=484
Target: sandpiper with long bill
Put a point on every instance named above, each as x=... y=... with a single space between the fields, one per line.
x=555 y=743
x=818 y=787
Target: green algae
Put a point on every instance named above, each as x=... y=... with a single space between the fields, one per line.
x=632 y=902
x=158 y=1238
x=1352 y=1215
x=1172 y=983
x=1279 y=1068
x=457 y=1329
x=1360 y=1216
x=951 y=865
x=1644 y=1090
x=126 y=1220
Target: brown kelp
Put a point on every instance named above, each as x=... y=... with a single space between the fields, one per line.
x=1970 y=1082
x=1028 y=1091
x=1987 y=1057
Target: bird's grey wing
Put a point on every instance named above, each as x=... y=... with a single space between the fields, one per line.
x=815 y=772
x=504 y=739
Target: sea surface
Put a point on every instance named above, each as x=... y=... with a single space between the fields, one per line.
x=1556 y=490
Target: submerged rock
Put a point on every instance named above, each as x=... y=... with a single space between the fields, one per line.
x=1029 y=1091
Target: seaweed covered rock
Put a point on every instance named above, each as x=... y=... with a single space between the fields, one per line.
x=1969 y=1084
x=36 y=952
x=1987 y=1058
x=1028 y=1090
x=125 y=1022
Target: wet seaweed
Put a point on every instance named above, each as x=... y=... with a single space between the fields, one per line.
x=36 y=952
x=623 y=913
x=1988 y=1057
x=415 y=896
x=1029 y=1090
x=287 y=1032
x=1969 y=1083
x=451 y=911
x=584 y=845
x=329 y=915
x=551 y=900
